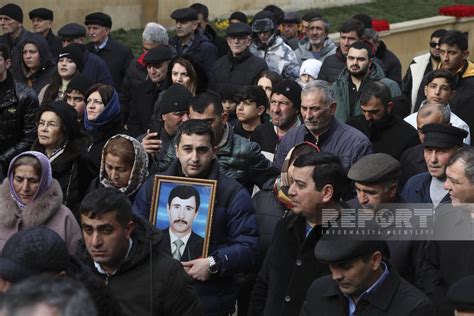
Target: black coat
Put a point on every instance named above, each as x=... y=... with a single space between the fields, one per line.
x=265 y=136
x=232 y=73
x=412 y=163
x=192 y=250
x=117 y=57
x=394 y=297
x=148 y=281
x=65 y=169
x=18 y=111
x=390 y=135
x=391 y=64
x=54 y=42
x=135 y=75
x=288 y=270
x=219 y=42
x=462 y=102
x=142 y=106
x=332 y=67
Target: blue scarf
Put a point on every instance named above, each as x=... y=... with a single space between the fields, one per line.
x=111 y=111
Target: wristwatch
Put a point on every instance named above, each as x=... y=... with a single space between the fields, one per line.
x=213 y=267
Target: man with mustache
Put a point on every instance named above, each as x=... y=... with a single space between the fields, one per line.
x=179 y=239
x=441 y=143
x=358 y=72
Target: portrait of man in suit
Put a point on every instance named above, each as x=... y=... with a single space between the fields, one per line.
x=183 y=207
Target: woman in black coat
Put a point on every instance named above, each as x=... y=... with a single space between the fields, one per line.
x=61 y=140
x=102 y=120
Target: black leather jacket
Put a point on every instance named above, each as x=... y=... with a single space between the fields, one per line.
x=18 y=110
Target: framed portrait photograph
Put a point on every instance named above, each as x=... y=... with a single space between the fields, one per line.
x=182 y=208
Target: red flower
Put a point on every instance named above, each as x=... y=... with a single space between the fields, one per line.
x=380 y=25
x=459 y=10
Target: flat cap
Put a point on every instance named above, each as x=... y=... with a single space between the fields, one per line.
x=175 y=99
x=460 y=294
x=239 y=28
x=12 y=11
x=237 y=15
x=311 y=16
x=291 y=18
x=33 y=251
x=157 y=55
x=375 y=168
x=289 y=89
x=442 y=135
x=42 y=13
x=184 y=14
x=72 y=31
x=99 y=18
x=337 y=249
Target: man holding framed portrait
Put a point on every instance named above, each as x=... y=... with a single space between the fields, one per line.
x=231 y=233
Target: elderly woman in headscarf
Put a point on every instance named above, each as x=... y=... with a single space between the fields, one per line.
x=124 y=166
x=30 y=197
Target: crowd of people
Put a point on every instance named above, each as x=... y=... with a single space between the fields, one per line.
x=292 y=128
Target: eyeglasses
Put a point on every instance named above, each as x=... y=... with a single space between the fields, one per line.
x=434 y=44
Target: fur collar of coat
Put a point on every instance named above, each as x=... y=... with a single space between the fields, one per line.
x=36 y=213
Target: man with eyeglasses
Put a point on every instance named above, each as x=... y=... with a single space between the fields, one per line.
x=18 y=109
x=239 y=67
x=419 y=67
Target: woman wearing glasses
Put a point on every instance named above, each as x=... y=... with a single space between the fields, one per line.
x=62 y=142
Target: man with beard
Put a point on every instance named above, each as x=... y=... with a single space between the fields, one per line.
x=388 y=133
x=317 y=45
x=284 y=109
x=419 y=67
x=321 y=128
x=359 y=71
x=441 y=143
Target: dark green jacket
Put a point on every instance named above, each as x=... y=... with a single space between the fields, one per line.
x=341 y=91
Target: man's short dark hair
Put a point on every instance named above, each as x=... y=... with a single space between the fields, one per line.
x=353 y=25
x=203 y=100
x=441 y=73
x=439 y=33
x=185 y=192
x=252 y=94
x=327 y=170
x=375 y=89
x=362 y=45
x=198 y=127
x=5 y=51
x=455 y=38
x=467 y=157
x=201 y=9
x=105 y=200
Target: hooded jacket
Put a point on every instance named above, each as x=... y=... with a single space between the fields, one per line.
x=344 y=110
x=16 y=53
x=46 y=208
x=148 y=281
x=303 y=52
x=279 y=57
x=42 y=76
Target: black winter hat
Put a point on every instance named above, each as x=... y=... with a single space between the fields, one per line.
x=184 y=14
x=67 y=114
x=157 y=55
x=443 y=136
x=33 y=251
x=72 y=31
x=289 y=89
x=237 y=15
x=13 y=11
x=175 y=99
x=99 y=18
x=42 y=13
x=74 y=52
x=80 y=83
